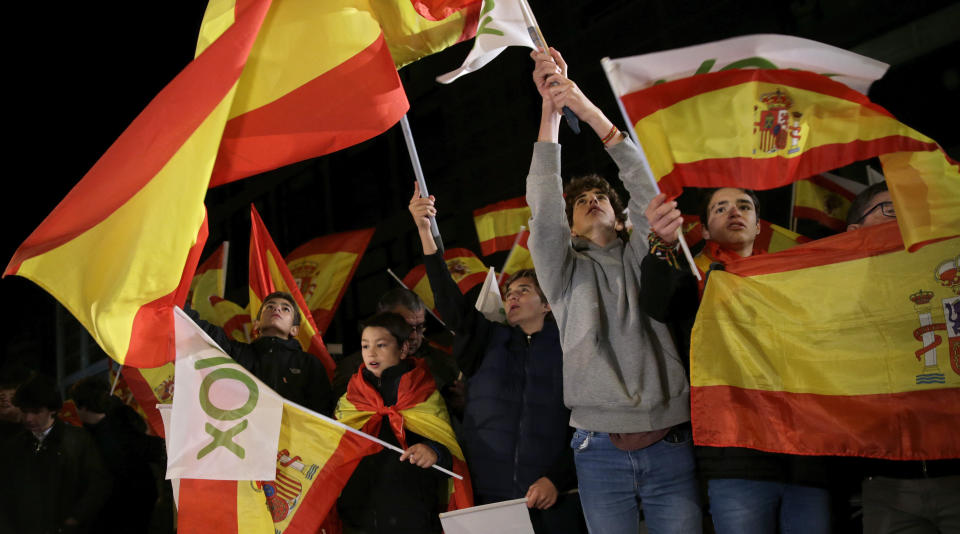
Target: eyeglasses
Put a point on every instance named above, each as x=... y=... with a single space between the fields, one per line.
x=886 y=208
x=419 y=328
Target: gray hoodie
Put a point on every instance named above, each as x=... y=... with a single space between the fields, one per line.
x=621 y=371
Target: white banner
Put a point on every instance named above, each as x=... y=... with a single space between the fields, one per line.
x=501 y=25
x=225 y=422
x=489 y=302
x=507 y=517
x=631 y=74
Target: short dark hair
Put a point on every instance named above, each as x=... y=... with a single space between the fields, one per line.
x=526 y=273
x=577 y=186
x=704 y=211
x=91 y=394
x=392 y=322
x=400 y=296
x=287 y=297
x=39 y=392
x=859 y=204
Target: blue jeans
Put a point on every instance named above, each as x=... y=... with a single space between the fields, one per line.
x=611 y=481
x=758 y=506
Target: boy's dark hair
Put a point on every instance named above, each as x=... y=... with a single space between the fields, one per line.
x=704 y=211
x=859 y=204
x=13 y=376
x=40 y=392
x=392 y=322
x=399 y=297
x=577 y=186
x=526 y=273
x=287 y=297
x=91 y=394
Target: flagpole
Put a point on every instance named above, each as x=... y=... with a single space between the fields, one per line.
x=418 y=172
x=539 y=40
x=793 y=205
x=399 y=281
x=349 y=428
x=607 y=68
x=116 y=379
x=513 y=249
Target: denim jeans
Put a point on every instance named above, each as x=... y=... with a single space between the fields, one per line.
x=758 y=506
x=612 y=481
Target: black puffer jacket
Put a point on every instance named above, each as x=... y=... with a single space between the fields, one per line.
x=281 y=364
x=45 y=484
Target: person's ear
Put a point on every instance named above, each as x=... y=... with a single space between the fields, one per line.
x=704 y=232
x=294 y=330
x=404 y=349
x=854 y=226
x=256 y=327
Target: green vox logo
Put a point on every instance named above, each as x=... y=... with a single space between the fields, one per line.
x=225 y=438
x=487 y=7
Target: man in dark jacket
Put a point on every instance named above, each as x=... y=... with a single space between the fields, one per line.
x=515 y=427
x=119 y=433
x=275 y=357
x=53 y=477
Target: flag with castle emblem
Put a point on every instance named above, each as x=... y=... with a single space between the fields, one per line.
x=846 y=346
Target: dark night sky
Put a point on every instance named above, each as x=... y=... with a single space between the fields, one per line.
x=78 y=73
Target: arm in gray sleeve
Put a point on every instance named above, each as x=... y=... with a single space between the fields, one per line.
x=639 y=183
x=549 y=241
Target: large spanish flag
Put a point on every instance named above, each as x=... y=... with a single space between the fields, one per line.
x=465 y=267
x=320 y=78
x=762 y=129
x=119 y=251
x=848 y=345
x=499 y=224
x=269 y=273
x=324 y=266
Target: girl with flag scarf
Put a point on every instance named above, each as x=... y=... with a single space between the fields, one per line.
x=395 y=398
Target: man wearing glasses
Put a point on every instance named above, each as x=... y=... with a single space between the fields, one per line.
x=903 y=496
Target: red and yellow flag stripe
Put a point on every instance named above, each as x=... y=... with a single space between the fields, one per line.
x=466 y=269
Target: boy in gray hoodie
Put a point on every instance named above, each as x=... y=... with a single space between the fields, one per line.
x=624 y=382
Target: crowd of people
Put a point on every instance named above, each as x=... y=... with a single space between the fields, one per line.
x=579 y=403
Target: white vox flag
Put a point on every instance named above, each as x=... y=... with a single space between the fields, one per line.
x=507 y=517
x=489 y=302
x=765 y=51
x=501 y=25
x=225 y=423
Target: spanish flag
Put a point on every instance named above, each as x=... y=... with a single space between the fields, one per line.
x=150 y=387
x=466 y=269
x=120 y=250
x=498 y=224
x=826 y=199
x=417 y=28
x=209 y=281
x=269 y=273
x=324 y=266
x=314 y=461
x=847 y=346
x=762 y=129
x=519 y=257
x=320 y=78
